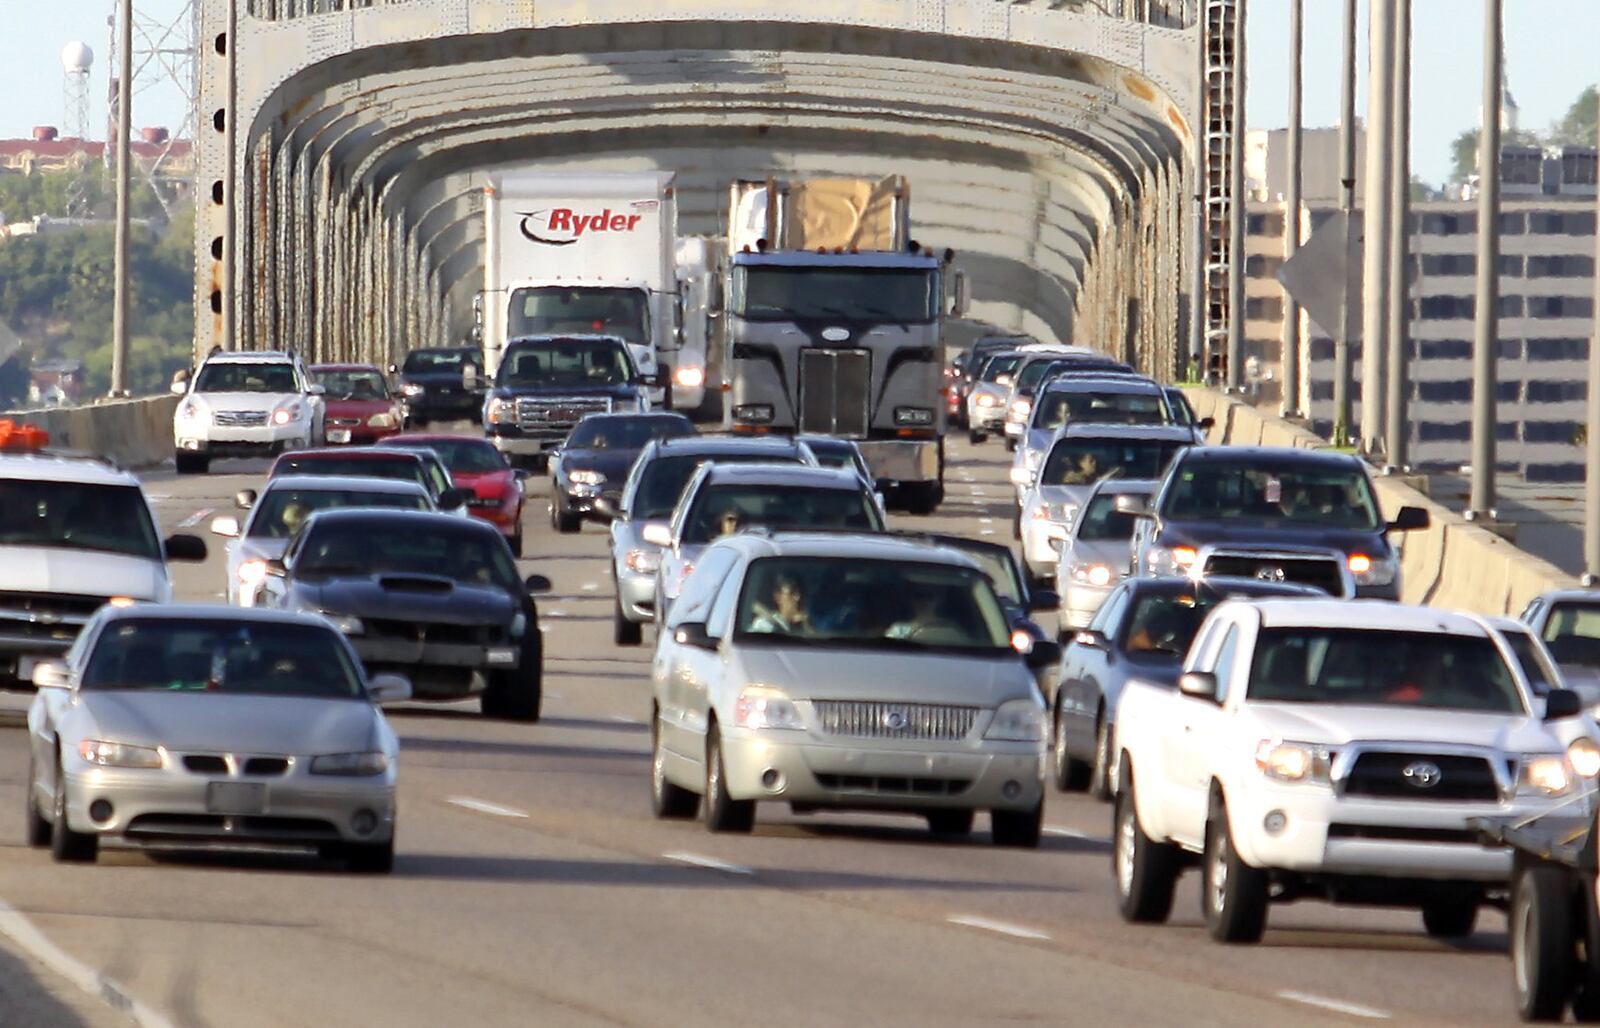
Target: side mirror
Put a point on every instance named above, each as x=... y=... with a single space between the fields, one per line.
x=606 y=508
x=316 y=389
x=1560 y=704
x=693 y=633
x=394 y=369
x=469 y=376
x=389 y=688
x=276 y=568
x=180 y=386
x=537 y=584
x=522 y=474
x=1042 y=654
x=244 y=499
x=185 y=547
x=1410 y=519
x=1043 y=600
x=1090 y=637
x=653 y=379
x=958 y=304
x=1130 y=503
x=52 y=674
x=226 y=526
x=450 y=499
x=1207 y=424
x=1202 y=685
x=657 y=534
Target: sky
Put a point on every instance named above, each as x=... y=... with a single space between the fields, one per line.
x=1550 y=57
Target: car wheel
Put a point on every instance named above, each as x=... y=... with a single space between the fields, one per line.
x=1016 y=522
x=562 y=520
x=191 y=463
x=1146 y=871
x=1541 y=942
x=623 y=631
x=1100 y=776
x=1450 y=917
x=953 y=824
x=1017 y=829
x=516 y=695
x=1011 y=445
x=1233 y=895
x=416 y=422
x=723 y=812
x=1070 y=773
x=516 y=543
x=38 y=829
x=66 y=845
x=376 y=858
x=976 y=438
x=667 y=801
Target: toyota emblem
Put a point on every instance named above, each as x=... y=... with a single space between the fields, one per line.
x=1266 y=573
x=895 y=720
x=1422 y=774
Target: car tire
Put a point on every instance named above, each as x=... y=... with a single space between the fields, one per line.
x=723 y=812
x=1145 y=871
x=1070 y=773
x=1016 y=522
x=66 y=845
x=516 y=543
x=562 y=520
x=516 y=695
x=370 y=858
x=1542 y=964
x=623 y=631
x=1449 y=917
x=1011 y=445
x=38 y=829
x=1233 y=895
x=1017 y=829
x=977 y=438
x=950 y=824
x=668 y=802
x=191 y=463
x=1100 y=769
x=416 y=423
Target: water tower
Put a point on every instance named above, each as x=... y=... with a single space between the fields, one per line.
x=76 y=61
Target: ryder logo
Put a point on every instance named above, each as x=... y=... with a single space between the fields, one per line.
x=563 y=226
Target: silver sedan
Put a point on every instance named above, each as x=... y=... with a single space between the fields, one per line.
x=193 y=726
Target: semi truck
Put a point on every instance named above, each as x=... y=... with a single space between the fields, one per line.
x=591 y=254
x=834 y=324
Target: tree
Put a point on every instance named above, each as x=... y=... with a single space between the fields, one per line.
x=1578 y=127
x=1464 y=151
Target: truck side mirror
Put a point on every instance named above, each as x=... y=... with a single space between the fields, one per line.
x=958 y=304
x=1410 y=519
x=1202 y=685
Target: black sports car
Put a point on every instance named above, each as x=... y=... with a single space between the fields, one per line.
x=596 y=458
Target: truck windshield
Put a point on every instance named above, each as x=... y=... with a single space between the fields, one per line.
x=998 y=366
x=570 y=310
x=1086 y=461
x=76 y=516
x=565 y=362
x=1303 y=664
x=904 y=296
x=424 y=362
x=1335 y=497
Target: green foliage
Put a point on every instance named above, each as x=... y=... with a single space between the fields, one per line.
x=1578 y=127
x=1464 y=151
x=63 y=194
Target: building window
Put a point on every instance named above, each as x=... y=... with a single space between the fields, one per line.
x=1260 y=265
x=1441 y=308
x=1556 y=223
x=1445 y=349
x=1444 y=431
x=1559 y=391
x=1513 y=224
x=1449 y=264
x=1560 y=306
x=1509 y=306
x=1508 y=392
x=1564 y=265
x=1269 y=308
x=1438 y=223
x=1265 y=225
x=1548 y=431
x=1558 y=349
x=1510 y=265
x=1457 y=390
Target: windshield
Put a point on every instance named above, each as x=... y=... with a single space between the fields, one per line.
x=998 y=366
x=242 y=377
x=353 y=385
x=566 y=362
x=1056 y=409
x=1541 y=676
x=222 y=656
x=724 y=509
x=460 y=454
x=75 y=516
x=767 y=293
x=1001 y=570
x=628 y=433
x=1220 y=490
x=1307 y=664
x=1164 y=624
x=569 y=310
x=871 y=603
x=1032 y=375
x=1573 y=633
x=1101 y=521
x=1086 y=461
x=361 y=548
x=436 y=361
x=281 y=512
x=396 y=467
x=661 y=481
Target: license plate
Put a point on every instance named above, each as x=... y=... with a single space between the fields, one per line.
x=236 y=797
x=338 y=435
x=502 y=656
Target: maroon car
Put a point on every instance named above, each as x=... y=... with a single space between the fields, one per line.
x=360 y=408
x=478 y=468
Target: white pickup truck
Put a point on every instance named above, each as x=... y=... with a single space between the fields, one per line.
x=1336 y=750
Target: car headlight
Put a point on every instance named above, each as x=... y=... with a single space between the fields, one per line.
x=1373 y=570
x=118 y=754
x=286 y=415
x=1018 y=721
x=374 y=763
x=500 y=409
x=690 y=377
x=1019 y=411
x=1294 y=761
x=1092 y=574
x=1171 y=560
x=642 y=562
x=1545 y=773
x=583 y=476
x=383 y=420
x=1059 y=513
x=412 y=389
x=252 y=571
x=986 y=400
x=913 y=416
x=1584 y=757
x=345 y=623
x=762 y=707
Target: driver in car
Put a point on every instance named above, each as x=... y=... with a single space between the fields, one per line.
x=787 y=614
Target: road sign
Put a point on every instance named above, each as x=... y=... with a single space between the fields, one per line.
x=1320 y=272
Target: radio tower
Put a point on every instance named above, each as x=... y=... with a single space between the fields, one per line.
x=164 y=57
x=76 y=62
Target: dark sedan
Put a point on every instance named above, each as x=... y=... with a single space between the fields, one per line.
x=595 y=460
x=1143 y=630
x=430 y=596
x=442 y=384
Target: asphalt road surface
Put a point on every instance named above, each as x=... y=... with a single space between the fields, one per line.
x=532 y=886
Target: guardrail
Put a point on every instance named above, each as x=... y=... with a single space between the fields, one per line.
x=1453 y=564
x=133 y=433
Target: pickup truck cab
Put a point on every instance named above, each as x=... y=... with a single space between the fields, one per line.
x=1338 y=751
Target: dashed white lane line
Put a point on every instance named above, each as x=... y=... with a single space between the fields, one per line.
x=21 y=931
x=485 y=807
x=986 y=521
x=1338 y=1006
x=554 y=614
x=197 y=517
x=987 y=531
x=1073 y=833
x=623 y=719
x=710 y=863
x=588 y=587
x=1016 y=931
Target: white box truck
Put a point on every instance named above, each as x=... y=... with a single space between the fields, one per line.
x=570 y=253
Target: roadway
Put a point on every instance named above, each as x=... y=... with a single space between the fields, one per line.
x=533 y=887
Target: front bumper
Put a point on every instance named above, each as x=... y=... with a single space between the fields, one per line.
x=896 y=460
x=243 y=442
x=636 y=594
x=984 y=418
x=1038 y=552
x=1080 y=602
x=444 y=406
x=581 y=498
x=524 y=445
x=356 y=435
x=505 y=517
x=437 y=670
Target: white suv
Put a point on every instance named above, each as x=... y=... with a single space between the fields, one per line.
x=245 y=404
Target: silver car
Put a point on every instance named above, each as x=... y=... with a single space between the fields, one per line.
x=1087 y=398
x=195 y=726
x=850 y=672
x=283 y=505
x=1095 y=555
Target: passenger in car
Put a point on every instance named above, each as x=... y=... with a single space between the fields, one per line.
x=787 y=613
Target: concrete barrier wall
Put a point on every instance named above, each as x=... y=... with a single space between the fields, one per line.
x=133 y=433
x=1453 y=564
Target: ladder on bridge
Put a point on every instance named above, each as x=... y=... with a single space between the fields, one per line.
x=1219 y=85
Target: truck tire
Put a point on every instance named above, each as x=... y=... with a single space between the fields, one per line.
x=920 y=498
x=1146 y=871
x=1233 y=895
x=950 y=824
x=975 y=437
x=1541 y=942
x=723 y=812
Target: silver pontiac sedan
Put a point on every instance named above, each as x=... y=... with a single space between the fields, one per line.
x=192 y=726
x=846 y=671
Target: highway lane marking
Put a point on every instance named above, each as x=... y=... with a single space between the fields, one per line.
x=710 y=863
x=1073 y=833
x=485 y=807
x=987 y=531
x=1338 y=1006
x=21 y=931
x=1016 y=931
x=588 y=587
x=623 y=719
x=197 y=517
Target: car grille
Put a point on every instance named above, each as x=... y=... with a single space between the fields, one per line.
x=265 y=829
x=1321 y=572
x=1392 y=833
x=218 y=764
x=1383 y=775
x=873 y=720
x=414 y=631
x=344 y=422
x=834 y=390
x=48 y=617
x=555 y=416
x=894 y=784
x=239 y=418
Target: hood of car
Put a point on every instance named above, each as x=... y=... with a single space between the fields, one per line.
x=405 y=598
x=1112 y=552
x=811 y=671
x=1252 y=534
x=48 y=569
x=1073 y=494
x=264 y=547
x=358 y=408
x=1340 y=724
x=246 y=401
x=488 y=485
x=209 y=722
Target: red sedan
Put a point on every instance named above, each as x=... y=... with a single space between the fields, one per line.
x=360 y=409
x=495 y=487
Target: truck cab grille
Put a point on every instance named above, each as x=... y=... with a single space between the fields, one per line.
x=553 y=417
x=835 y=387
x=1321 y=572
x=1403 y=776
